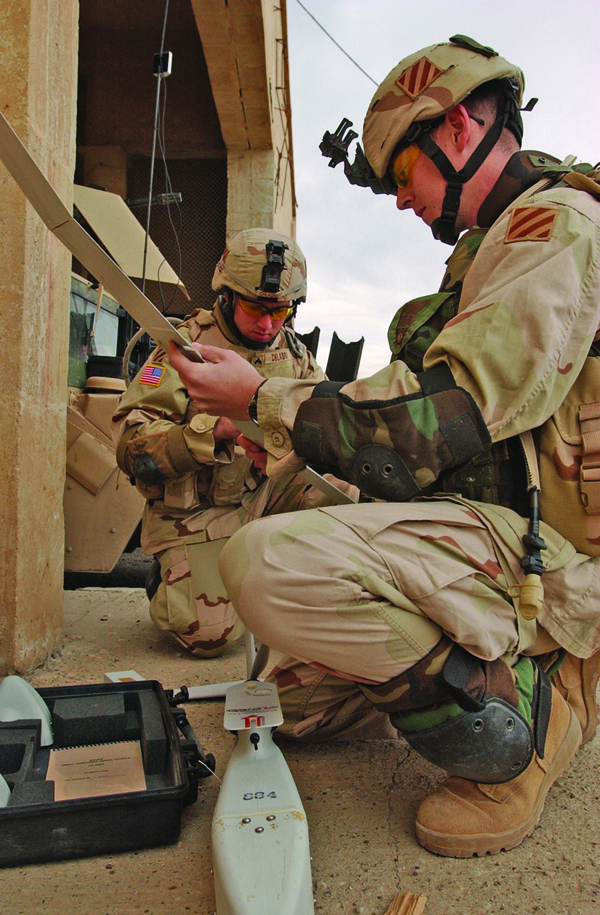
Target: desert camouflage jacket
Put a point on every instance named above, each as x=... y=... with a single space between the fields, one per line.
x=204 y=480
x=528 y=317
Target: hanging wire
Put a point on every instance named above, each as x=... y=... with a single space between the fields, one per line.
x=160 y=78
x=170 y=196
x=336 y=43
x=171 y=199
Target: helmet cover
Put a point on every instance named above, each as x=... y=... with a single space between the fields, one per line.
x=262 y=264
x=427 y=84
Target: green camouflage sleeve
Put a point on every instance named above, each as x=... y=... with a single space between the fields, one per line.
x=391 y=449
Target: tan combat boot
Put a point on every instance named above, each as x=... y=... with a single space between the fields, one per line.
x=577 y=682
x=463 y=818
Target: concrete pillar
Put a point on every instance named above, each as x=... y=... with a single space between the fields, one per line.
x=254 y=196
x=245 y=48
x=38 y=50
x=249 y=190
x=106 y=167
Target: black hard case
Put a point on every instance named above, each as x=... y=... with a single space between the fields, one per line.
x=35 y=828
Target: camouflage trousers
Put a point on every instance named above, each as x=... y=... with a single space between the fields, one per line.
x=191 y=601
x=359 y=594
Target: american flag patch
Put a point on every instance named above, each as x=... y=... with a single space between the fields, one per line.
x=531 y=224
x=418 y=77
x=151 y=374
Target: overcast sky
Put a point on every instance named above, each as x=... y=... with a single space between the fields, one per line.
x=365 y=258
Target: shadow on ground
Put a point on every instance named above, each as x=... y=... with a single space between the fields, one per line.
x=130 y=572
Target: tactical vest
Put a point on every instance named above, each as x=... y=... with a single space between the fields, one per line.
x=226 y=483
x=568 y=444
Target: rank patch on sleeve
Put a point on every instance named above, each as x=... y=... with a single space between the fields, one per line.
x=531 y=224
x=152 y=374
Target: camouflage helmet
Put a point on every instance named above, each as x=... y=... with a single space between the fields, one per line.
x=427 y=84
x=262 y=264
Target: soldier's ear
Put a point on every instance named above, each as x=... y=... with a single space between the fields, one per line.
x=458 y=127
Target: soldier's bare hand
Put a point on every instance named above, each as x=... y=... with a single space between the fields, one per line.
x=225 y=430
x=222 y=386
x=254 y=452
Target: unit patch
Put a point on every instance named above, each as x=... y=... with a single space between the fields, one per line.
x=152 y=374
x=532 y=223
x=414 y=80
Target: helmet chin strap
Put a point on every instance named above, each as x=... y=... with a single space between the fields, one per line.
x=444 y=227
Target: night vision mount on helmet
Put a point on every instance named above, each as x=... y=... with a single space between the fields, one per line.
x=262 y=264
x=334 y=146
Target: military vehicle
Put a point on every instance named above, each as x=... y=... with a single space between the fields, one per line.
x=102 y=509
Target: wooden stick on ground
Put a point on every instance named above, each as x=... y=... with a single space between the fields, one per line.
x=407 y=904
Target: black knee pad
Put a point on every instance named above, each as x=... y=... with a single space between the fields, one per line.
x=491 y=745
x=489 y=740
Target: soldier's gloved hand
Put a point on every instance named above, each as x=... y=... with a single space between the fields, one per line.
x=149 y=480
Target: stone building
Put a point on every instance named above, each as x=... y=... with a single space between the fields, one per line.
x=79 y=87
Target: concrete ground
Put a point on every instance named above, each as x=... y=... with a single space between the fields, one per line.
x=360 y=799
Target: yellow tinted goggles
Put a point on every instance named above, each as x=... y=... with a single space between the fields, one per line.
x=403 y=164
x=257 y=310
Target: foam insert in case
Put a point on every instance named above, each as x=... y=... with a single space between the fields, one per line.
x=34 y=827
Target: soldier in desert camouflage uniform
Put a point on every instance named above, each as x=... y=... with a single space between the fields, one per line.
x=199 y=485
x=429 y=605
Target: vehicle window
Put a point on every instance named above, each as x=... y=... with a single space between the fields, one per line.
x=93 y=331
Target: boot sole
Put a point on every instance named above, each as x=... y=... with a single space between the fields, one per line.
x=493 y=843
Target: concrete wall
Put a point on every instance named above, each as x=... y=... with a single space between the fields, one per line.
x=278 y=78
x=244 y=43
x=38 y=49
